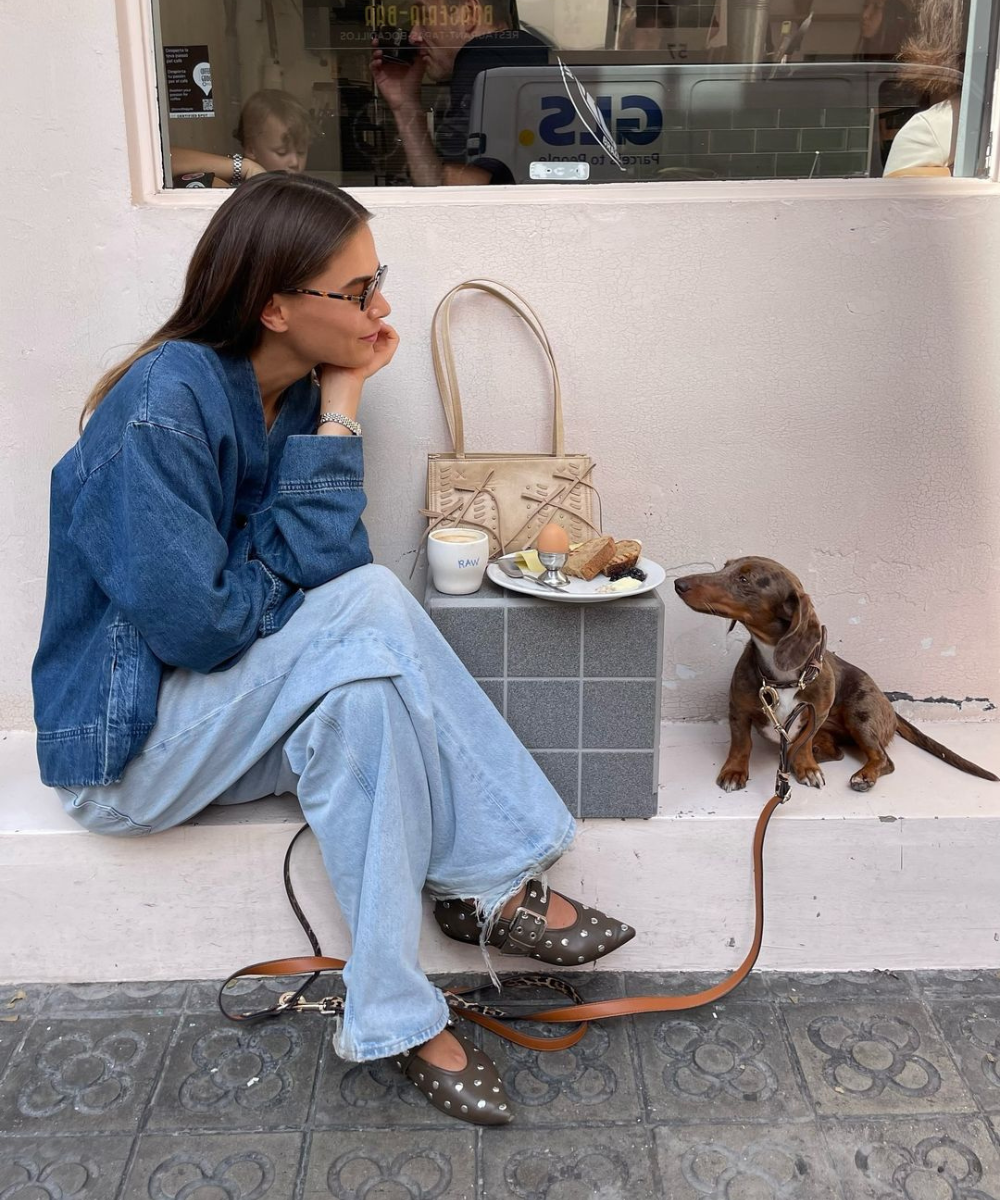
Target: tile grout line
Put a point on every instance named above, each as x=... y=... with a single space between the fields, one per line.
x=978 y=1109
x=579 y=734
x=305 y=1153
x=506 y=664
x=147 y=1110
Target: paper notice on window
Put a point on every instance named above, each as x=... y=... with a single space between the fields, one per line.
x=189 y=81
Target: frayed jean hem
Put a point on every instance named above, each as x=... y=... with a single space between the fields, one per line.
x=489 y=903
x=370 y=1051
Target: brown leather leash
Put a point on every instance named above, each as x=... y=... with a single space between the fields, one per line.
x=578 y=1012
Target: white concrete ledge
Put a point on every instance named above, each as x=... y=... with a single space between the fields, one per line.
x=903 y=877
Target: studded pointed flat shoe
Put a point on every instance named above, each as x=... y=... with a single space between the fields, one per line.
x=475 y=1094
x=526 y=932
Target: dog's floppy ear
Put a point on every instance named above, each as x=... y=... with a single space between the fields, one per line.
x=803 y=634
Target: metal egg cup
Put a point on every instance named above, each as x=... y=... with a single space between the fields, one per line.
x=553 y=564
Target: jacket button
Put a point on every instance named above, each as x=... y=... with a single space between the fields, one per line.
x=241 y=521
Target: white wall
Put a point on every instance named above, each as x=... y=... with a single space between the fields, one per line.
x=812 y=379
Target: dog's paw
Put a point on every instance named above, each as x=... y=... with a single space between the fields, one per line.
x=811 y=777
x=733 y=779
x=861 y=784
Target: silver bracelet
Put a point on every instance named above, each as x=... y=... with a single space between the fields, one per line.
x=340 y=419
x=237 y=177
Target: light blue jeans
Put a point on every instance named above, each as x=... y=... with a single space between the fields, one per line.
x=406 y=772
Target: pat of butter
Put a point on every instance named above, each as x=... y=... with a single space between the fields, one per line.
x=619 y=585
x=528 y=560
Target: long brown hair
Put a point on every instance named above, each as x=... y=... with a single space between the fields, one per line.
x=277 y=231
x=936 y=50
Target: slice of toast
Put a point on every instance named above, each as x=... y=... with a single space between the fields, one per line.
x=626 y=555
x=590 y=558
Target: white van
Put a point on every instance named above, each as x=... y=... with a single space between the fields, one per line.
x=677 y=120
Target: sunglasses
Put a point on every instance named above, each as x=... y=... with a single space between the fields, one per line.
x=364 y=299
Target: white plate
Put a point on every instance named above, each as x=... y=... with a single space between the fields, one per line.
x=580 y=591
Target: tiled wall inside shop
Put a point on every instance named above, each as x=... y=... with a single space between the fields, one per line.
x=769 y=143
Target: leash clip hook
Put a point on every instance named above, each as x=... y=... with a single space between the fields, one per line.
x=769 y=698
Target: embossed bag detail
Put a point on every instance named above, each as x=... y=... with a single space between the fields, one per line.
x=510 y=496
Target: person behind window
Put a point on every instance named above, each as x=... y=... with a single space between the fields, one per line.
x=926 y=143
x=274 y=133
x=215 y=630
x=457 y=41
x=882 y=29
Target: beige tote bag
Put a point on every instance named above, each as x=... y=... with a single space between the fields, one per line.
x=510 y=496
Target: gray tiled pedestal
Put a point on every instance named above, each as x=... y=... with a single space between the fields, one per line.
x=578 y=683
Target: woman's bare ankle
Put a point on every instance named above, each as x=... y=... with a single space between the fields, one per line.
x=444 y=1050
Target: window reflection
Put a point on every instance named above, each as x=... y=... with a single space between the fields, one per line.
x=520 y=92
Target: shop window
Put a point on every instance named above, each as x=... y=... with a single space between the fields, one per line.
x=523 y=92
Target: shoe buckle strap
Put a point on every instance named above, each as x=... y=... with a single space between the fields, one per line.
x=524 y=930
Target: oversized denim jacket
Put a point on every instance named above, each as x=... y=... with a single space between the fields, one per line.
x=180 y=532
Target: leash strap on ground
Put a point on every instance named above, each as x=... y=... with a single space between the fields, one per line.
x=497 y=1019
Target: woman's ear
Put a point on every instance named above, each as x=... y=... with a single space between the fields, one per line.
x=803 y=635
x=274 y=316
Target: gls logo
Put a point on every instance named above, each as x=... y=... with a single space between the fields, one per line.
x=641 y=128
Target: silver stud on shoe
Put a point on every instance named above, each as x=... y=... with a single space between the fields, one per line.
x=459 y=1086
x=583 y=933
x=580 y=959
x=564 y=942
x=600 y=947
x=465 y=1108
x=435 y=1085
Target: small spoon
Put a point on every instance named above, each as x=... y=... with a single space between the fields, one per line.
x=513 y=571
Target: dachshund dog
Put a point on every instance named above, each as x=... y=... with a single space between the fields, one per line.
x=787 y=651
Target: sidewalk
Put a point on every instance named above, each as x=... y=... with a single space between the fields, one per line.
x=819 y=1087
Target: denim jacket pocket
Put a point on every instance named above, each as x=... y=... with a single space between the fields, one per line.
x=123 y=673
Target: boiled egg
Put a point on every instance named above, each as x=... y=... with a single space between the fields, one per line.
x=553 y=539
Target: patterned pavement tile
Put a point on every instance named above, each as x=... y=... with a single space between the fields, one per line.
x=591 y=1081
x=11 y=1033
x=77 y=1076
x=568 y=1164
x=223 y=1076
x=373 y=1095
x=380 y=1164
x=722 y=1162
x=951 y=1158
x=727 y=1061
x=841 y=985
x=971 y=1028
x=684 y=983
x=958 y=983
x=225 y=1165
x=65 y=1168
x=874 y=1059
x=16 y=999
x=95 y=999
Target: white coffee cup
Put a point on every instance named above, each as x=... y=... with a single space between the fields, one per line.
x=457 y=558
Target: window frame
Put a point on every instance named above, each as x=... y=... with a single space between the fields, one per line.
x=144 y=143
